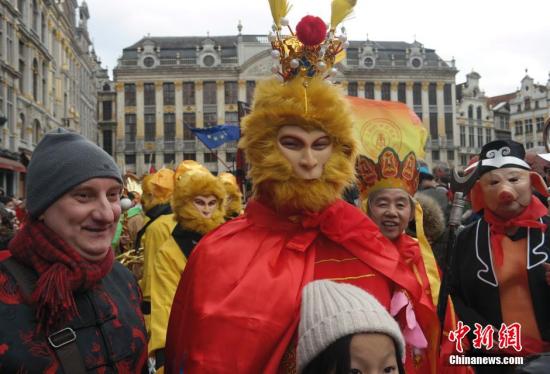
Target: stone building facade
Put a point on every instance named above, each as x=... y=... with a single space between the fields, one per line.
x=47 y=79
x=166 y=85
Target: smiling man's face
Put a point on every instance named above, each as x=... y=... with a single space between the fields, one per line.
x=390 y=209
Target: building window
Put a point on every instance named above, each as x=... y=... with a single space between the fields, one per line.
x=230 y=156
x=471 y=137
x=43 y=28
x=36 y=132
x=107 y=110
x=210 y=119
x=435 y=155
x=169 y=158
x=35 y=79
x=479 y=113
x=386 y=91
x=529 y=145
x=462 y=136
x=45 y=84
x=130 y=129
x=169 y=127
x=433 y=126
x=450 y=155
x=432 y=94
x=168 y=93
x=22 y=71
x=190 y=156
x=488 y=135
x=9 y=43
x=189 y=122
x=250 y=87
x=129 y=94
x=130 y=159
x=188 y=93
x=23 y=128
x=402 y=92
x=540 y=124
x=417 y=93
x=232 y=118
x=463 y=159
x=352 y=89
x=149 y=94
x=149 y=159
x=150 y=127
x=449 y=125
x=231 y=92
x=529 y=126
x=209 y=96
x=527 y=104
x=479 y=137
x=108 y=141
x=471 y=111
x=35 y=16
x=369 y=90
x=447 y=94
x=211 y=157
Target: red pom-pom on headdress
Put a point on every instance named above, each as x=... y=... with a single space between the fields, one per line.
x=311 y=30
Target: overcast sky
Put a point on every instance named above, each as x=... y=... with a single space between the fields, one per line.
x=498 y=39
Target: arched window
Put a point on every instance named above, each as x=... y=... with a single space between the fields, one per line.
x=36 y=131
x=478 y=112
x=471 y=111
x=23 y=126
x=35 y=80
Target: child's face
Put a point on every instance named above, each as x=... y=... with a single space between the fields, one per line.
x=372 y=354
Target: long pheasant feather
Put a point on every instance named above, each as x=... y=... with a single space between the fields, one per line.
x=279 y=9
x=340 y=10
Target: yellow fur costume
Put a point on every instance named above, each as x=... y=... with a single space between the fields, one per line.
x=157 y=188
x=279 y=104
x=234 y=205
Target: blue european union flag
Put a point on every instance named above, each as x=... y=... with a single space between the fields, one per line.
x=215 y=136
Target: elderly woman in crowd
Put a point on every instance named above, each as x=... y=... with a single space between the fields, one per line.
x=65 y=306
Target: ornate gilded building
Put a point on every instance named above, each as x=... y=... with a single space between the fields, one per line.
x=47 y=79
x=167 y=85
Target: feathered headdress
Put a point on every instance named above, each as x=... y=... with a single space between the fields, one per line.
x=309 y=51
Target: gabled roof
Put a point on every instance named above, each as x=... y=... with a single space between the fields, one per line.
x=492 y=101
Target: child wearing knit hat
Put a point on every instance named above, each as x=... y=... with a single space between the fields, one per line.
x=344 y=329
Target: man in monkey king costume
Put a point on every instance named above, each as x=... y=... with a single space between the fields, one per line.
x=498 y=272
x=198 y=206
x=237 y=306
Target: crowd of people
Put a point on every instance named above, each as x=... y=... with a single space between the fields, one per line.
x=344 y=259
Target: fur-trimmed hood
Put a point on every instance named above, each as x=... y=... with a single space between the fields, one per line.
x=434 y=220
x=197 y=183
x=320 y=106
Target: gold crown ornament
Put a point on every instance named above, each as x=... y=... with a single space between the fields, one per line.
x=312 y=50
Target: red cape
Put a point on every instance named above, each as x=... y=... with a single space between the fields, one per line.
x=238 y=302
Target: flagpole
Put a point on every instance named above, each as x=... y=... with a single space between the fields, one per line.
x=212 y=151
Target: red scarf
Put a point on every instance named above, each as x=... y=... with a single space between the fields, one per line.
x=528 y=218
x=61 y=270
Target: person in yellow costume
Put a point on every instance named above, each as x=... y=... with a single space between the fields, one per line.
x=157 y=192
x=233 y=204
x=198 y=205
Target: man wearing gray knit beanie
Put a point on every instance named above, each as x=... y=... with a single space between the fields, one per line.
x=61 y=161
x=344 y=329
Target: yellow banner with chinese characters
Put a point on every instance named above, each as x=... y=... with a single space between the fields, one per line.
x=381 y=124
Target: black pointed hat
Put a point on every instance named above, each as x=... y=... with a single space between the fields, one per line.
x=502 y=154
